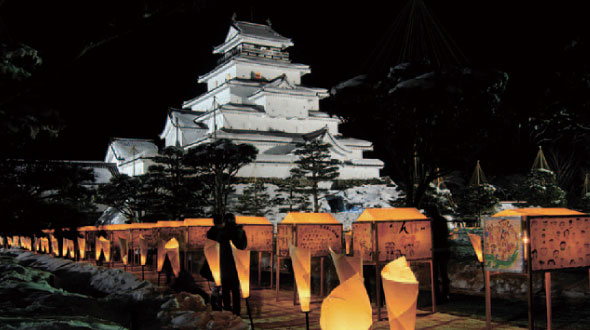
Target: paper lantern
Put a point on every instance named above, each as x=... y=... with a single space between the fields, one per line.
x=347 y=307
x=54 y=245
x=346 y=267
x=104 y=245
x=16 y=241
x=347 y=241
x=301 y=259
x=476 y=243
x=82 y=247
x=68 y=248
x=170 y=249
x=242 y=260
x=124 y=247
x=143 y=250
x=401 y=294
x=212 y=256
x=64 y=247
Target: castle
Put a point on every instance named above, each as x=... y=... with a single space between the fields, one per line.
x=254 y=96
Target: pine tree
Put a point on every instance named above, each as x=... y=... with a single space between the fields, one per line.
x=540 y=189
x=297 y=199
x=174 y=190
x=254 y=201
x=316 y=165
x=217 y=163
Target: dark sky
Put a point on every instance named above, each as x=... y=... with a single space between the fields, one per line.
x=124 y=87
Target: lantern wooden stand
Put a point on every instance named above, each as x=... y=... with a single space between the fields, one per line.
x=259 y=232
x=544 y=230
x=314 y=231
x=406 y=229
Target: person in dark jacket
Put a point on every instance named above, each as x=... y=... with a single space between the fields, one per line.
x=441 y=254
x=224 y=233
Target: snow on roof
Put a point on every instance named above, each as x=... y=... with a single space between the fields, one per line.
x=125 y=149
x=391 y=214
x=258 y=31
x=536 y=212
x=309 y=218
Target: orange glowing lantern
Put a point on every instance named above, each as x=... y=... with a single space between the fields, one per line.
x=347 y=307
x=143 y=250
x=16 y=241
x=44 y=245
x=169 y=249
x=103 y=245
x=124 y=247
x=346 y=267
x=401 y=294
x=82 y=247
x=301 y=259
x=476 y=243
x=212 y=255
x=54 y=245
x=71 y=249
x=242 y=260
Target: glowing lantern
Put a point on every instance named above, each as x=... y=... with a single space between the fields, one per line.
x=347 y=307
x=242 y=260
x=124 y=247
x=104 y=245
x=9 y=240
x=346 y=267
x=212 y=255
x=1 y=241
x=15 y=241
x=401 y=294
x=44 y=245
x=143 y=250
x=82 y=247
x=54 y=245
x=64 y=247
x=170 y=249
x=71 y=248
x=301 y=259
x=476 y=242
x=347 y=241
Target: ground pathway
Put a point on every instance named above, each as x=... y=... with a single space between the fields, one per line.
x=465 y=312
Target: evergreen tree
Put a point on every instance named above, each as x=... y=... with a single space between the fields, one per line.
x=254 y=201
x=127 y=195
x=478 y=200
x=217 y=163
x=540 y=189
x=175 y=189
x=297 y=199
x=35 y=195
x=315 y=164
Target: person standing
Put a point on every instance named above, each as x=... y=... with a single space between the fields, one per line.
x=225 y=232
x=441 y=254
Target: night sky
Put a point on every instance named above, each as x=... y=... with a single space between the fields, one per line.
x=124 y=87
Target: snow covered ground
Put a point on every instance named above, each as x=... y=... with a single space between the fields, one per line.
x=43 y=292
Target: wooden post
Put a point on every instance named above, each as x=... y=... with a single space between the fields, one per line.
x=529 y=276
x=377 y=270
x=259 y=268
x=548 y=298
x=488 y=300
x=278 y=275
x=271 y=268
x=432 y=291
x=307 y=320
x=321 y=276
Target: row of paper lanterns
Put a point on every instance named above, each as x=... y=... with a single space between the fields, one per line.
x=347 y=306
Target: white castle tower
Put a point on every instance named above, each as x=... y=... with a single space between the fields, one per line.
x=255 y=96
